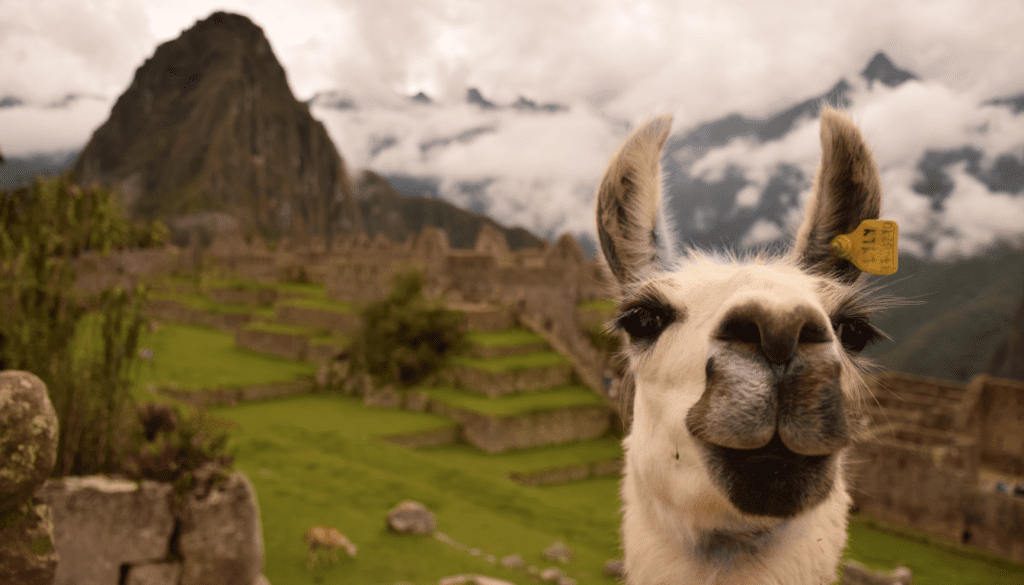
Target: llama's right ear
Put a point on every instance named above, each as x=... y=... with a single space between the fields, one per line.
x=629 y=201
x=846 y=191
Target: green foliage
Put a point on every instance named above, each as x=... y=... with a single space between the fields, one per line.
x=404 y=338
x=42 y=229
x=179 y=448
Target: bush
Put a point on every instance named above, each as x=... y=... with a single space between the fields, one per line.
x=42 y=228
x=404 y=338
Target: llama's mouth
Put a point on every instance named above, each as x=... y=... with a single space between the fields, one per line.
x=771 y=480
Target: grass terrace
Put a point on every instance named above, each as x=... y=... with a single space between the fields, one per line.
x=540 y=359
x=321 y=304
x=503 y=338
x=271 y=327
x=514 y=404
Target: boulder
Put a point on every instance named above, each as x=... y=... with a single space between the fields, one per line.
x=101 y=524
x=551 y=575
x=472 y=580
x=412 y=518
x=558 y=552
x=27 y=555
x=615 y=568
x=221 y=539
x=28 y=437
x=513 y=561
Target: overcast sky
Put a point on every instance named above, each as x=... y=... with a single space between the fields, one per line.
x=614 y=62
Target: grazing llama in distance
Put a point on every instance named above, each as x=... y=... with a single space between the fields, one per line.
x=326 y=538
x=746 y=376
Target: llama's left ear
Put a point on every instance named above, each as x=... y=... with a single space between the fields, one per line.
x=846 y=191
x=629 y=224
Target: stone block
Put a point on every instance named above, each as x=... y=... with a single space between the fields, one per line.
x=154 y=574
x=101 y=524
x=221 y=539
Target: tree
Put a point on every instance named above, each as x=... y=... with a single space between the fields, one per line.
x=405 y=338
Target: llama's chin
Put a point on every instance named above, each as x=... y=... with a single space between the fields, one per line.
x=771 y=480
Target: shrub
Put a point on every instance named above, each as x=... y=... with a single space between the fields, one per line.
x=405 y=338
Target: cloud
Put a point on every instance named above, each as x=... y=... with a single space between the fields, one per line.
x=32 y=129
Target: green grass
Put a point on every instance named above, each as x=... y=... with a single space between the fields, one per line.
x=196 y=357
x=319 y=304
x=541 y=359
x=521 y=403
x=271 y=327
x=932 y=560
x=237 y=284
x=312 y=291
x=503 y=338
x=520 y=460
x=314 y=460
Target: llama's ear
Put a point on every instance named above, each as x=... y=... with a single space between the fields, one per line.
x=846 y=191
x=632 y=234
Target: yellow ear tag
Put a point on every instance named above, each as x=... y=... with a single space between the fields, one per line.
x=871 y=247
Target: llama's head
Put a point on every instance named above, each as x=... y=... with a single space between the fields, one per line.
x=746 y=370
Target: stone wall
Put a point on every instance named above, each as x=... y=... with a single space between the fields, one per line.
x=501 y=383
x=496 y=434
x=1001 y=423
x=286 y=345
x=110 y=532
x=102 y=531
x=171 y=310
x=337 y=321
x=920 y=463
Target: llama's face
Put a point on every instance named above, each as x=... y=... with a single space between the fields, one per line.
x=744 y=372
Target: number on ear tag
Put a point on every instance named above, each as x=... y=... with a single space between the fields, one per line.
x=871 y=247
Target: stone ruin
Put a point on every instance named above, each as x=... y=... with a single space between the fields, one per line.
x=102 y=531
x=933 y=452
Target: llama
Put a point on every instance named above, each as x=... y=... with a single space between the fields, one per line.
x=327 y=538
x=746 y=377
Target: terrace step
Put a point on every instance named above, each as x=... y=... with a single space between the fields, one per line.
x=610 y=466
x=298 y=312
x=509 y=375
x=507 y=343
x=484 y=317
x=290 y=345
x=425 y=439
x=179 y=312
x=551 y=417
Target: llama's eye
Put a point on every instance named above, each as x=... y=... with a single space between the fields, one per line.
x=645 y=322
x=855 y=333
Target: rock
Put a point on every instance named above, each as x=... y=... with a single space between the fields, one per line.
x=262 y=580
x=566 y=581
x=101 y=524
x=412 y=517
x=472 y=580
x=558 y=552
x=386 y=397
x=855 y=573
x=551 y=574
x=154 y=574
x=221 y=539
x=417 y=401
x=615 y=568
x=513 y=561
x=28 y=437
x=27 y=555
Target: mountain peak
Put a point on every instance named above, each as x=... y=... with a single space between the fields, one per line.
x=422 y=98
x=474 y=96
x=881 y=68
x=209 y=123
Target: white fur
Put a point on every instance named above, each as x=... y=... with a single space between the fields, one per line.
x=671 y=504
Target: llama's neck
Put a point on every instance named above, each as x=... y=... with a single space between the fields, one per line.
x=671 y=546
